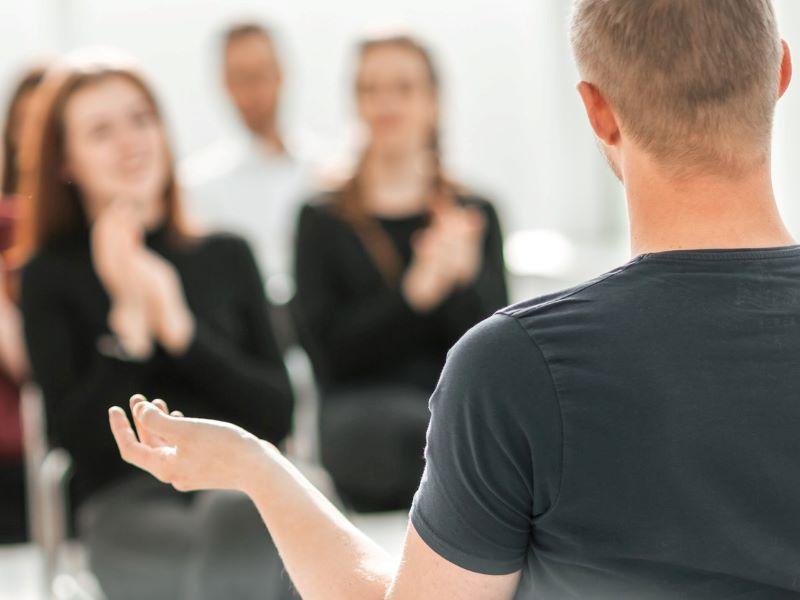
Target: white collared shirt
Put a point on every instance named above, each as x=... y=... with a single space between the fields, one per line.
x=239 y=185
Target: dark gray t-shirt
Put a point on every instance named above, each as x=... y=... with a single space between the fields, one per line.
x=634 y=437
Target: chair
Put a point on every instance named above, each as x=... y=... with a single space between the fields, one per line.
x=303 y=445
x=48 y=471
x=303 y=449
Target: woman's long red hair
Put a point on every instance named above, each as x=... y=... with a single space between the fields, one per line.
x=51 y=206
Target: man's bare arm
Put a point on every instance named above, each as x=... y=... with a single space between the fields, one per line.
x=326 y=556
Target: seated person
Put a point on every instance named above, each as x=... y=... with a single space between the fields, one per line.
x=118 y=294
x=392 y=268
x=631 y=438
x=253 y=183
x=13 y=362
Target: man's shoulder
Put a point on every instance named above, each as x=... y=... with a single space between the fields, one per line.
x=509 y=351
x=492 y=354
x=602 y=293
x=496 y=330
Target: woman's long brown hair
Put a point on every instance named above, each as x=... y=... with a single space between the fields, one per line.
x=26 y=84
x=51 y=206
x=350 y=200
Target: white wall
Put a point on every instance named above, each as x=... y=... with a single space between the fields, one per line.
x=24 y=30
x=787 y=124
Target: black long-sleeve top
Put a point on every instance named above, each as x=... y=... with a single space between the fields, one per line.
x=360 y=330
x=232 y=369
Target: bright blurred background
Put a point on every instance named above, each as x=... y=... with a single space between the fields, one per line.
x=513 y=124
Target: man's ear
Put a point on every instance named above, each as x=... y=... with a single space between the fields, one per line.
x=786 y=69
x=601 y=117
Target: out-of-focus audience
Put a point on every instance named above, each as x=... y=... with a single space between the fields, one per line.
x=121 y=293
x=120 y=296
x=253 y=184
x=13 y=362
x=393 y=266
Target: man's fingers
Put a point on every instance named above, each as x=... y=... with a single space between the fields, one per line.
x=158 y=402
x=176 y=413
x=135 y=399
x=131 y=449
x=152 y=439
x=144 y=435
x=156 y=422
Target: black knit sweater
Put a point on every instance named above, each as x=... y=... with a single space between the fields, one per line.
x=232 y=369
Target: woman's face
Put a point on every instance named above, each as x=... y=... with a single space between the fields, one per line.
x=396 y=99
x=115 y=148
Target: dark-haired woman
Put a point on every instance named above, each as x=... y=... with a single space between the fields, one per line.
x=392 y=268
x=13 y=363
x=118 y=295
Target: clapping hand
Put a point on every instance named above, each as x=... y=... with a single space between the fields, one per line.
x=461 y=230
x=147 y=300
x=447 y=255
x=116 y=240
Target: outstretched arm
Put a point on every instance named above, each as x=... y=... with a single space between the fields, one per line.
x=325 y=555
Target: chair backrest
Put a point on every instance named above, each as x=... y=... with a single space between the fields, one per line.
x=303 y=445
x=34 y=438
x=305 y=431
x=47 y=473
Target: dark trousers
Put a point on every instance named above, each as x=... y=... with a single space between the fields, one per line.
x=13 y=514
x=145 y=540
x=372 y=442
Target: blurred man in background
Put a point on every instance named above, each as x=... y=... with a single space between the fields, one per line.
x=252 y=184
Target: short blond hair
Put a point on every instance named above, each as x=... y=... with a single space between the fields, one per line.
x=692 y=81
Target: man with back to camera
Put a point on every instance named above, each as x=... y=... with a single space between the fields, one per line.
x=253 y=183
x=633 y=437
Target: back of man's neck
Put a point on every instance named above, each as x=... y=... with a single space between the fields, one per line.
x=704 y=213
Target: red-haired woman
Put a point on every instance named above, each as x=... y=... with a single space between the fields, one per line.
x=119 y=295
x=392 y=269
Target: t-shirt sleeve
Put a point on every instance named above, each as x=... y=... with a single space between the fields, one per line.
x=494 y=421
